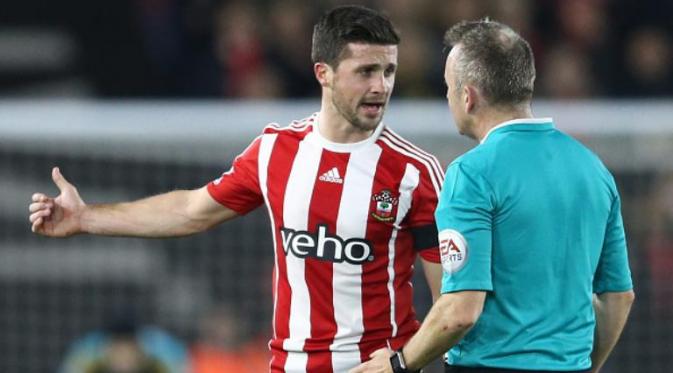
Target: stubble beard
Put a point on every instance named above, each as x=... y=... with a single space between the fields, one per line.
x=351 y=115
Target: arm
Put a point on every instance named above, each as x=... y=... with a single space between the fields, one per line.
x=433 y=275
x=176 y=213
x=450 y=318
x=612 y=310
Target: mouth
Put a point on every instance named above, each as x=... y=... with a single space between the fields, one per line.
x=372 y=108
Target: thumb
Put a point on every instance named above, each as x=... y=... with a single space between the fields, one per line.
x=59 y=180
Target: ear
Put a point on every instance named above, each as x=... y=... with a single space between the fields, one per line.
x=323 y=73
x=470 y=98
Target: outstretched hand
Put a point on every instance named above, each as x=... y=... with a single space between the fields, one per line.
x=60 y=216
x=379 y=363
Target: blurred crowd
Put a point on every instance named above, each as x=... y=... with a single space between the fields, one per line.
x=125 y=345
x=261 y=48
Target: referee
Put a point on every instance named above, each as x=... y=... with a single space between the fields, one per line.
x=536 y=275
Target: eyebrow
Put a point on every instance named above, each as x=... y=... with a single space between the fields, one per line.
x=375 y=66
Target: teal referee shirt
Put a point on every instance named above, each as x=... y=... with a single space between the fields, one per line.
x=532 y=217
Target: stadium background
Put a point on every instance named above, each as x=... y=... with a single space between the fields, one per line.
x=132 y=98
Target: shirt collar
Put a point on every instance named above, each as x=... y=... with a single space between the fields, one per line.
x=316 y=137
x=534 y=121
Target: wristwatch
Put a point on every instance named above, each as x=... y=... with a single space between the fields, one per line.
x=398 y=363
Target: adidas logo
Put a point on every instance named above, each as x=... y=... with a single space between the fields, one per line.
x=332 y=176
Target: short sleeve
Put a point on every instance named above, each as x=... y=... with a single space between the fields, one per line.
x=613 y=273
x=464 y=222
x=421 y=218
x=238 y=188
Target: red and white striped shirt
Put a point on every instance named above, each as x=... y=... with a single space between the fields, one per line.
x=347 y=222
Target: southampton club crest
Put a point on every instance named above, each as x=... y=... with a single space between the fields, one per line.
x=385 y=203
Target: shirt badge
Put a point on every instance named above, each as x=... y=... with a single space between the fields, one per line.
x=452 y=250
x=385 y=203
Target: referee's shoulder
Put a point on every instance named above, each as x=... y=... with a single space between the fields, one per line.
x=586 y=154
x=476 y=157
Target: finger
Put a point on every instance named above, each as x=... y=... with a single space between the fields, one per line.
x=358 y=369
x=59 y=180
x=40 y=215
x=33 y=207
x=37 y=225
x=39 y=197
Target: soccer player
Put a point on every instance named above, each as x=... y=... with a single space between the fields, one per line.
x=351 y=204
x=536 y=276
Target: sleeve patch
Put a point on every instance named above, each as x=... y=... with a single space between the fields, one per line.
x=453 y=250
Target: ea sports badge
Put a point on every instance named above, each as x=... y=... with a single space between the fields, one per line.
x=453 y=250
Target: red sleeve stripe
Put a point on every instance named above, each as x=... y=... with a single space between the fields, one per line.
x=394 y=134
x=430 y=162
x=436 y=167
x=295 y=125
x=435 y=163
x=302 y=123
x=275 y=128
x=298 y=126
x=436 y=182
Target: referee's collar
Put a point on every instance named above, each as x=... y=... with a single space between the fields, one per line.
x=528 y=124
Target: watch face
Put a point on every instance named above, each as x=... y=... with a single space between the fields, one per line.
x=397 y=363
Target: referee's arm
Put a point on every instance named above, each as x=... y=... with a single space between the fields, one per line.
x=612 y=309
x=450 y=318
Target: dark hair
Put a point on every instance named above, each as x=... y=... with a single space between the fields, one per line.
x=349 y=24
x=495 y=59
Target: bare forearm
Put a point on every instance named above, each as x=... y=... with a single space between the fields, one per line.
x=612 y=310
x=431 y=341
x=433 y=276
x=449 y=319
x=164 y=215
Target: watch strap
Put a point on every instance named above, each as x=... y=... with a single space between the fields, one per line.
x=398 y=364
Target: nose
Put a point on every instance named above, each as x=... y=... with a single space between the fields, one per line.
x=379 y=83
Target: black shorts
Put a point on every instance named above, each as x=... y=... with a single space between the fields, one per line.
x=457 y=369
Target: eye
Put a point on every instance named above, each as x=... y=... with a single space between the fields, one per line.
x=366 y=72
x=390 y=71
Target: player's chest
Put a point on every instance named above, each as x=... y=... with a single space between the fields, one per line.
x=351 y=194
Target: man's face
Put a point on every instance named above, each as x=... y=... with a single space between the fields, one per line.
x=362 y=83
x=454 y=95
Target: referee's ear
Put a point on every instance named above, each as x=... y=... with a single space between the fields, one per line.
x=472 y=99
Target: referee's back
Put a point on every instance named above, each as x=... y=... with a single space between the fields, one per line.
x=556 y=238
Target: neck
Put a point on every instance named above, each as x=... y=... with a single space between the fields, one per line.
x=335 y=128
x=494 y=117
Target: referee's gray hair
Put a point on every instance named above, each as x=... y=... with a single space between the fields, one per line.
x=495 y=59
